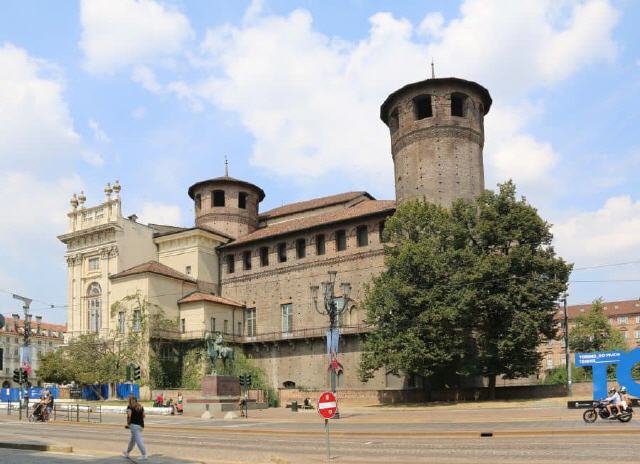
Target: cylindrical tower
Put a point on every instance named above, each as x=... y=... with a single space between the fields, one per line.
x=226 y=205
x=437 y=135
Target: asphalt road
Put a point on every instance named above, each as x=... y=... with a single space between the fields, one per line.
x=547 y=440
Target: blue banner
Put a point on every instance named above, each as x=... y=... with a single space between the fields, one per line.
x=123 y=390
x=601 y=357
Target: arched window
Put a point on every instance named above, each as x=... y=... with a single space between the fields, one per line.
x=217 y=198
x=94 y=306
x=457 y=104
x=422 y=107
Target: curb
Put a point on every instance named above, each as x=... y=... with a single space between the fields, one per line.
x=477 y=433
x=36 y=447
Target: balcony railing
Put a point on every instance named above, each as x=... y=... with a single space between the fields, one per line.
x=313 y=332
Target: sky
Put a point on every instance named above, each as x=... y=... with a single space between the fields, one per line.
x=157 y=93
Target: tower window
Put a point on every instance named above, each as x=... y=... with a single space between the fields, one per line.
x=264 y=256
x=457 y=104
x=394 y=121
x=231 y=264
x=341 y=240
x=242 y=200
x=422 y=107
x=320 y=244
x=198 y=201
x=362 y=235
x=246 y=260
x=301 y=248
x=282 y=252
x=217 y=198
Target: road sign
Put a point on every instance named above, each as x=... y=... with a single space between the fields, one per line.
x=327 y=405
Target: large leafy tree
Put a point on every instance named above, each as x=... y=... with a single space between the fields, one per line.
x=466 y=290
x=592 y=332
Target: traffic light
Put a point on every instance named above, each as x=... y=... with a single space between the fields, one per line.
x=136 y=372
x=245 y=380
x=19 y=375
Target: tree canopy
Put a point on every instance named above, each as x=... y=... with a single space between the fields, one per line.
x=592 y=332
x=469 y=290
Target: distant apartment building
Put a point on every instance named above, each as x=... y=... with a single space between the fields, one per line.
x=623 y=315
x=44 y=338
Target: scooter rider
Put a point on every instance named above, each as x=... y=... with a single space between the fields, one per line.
x=614 y=400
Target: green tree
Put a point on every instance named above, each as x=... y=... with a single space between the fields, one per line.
x=466 y=290
x=592 y=332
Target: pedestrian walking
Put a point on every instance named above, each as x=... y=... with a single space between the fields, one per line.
x=135 y=424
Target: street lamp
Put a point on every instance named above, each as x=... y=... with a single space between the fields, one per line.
x=332 y=306
x=566 y=342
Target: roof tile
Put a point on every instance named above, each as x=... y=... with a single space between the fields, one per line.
x=202 y=296
x=365 y=208
x=307 y=205
x=153 y=267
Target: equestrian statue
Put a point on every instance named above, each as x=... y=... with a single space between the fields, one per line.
x=216 y=350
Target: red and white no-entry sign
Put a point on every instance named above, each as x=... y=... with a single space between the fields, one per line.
x=327 y=405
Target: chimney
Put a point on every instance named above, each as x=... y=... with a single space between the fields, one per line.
x=16 y=319
x=38 y=325
x=133 y=218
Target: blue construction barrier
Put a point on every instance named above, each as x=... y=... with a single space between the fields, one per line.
x=9 y=394
x=89 y=392
x=123 y=390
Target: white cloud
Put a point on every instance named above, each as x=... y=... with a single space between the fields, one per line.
x=432 y=25
x=36 y=129
x=310 y=101
x=120 y=33
x=607 y=235
x=98 y=133
x=160 y=213
x=33 y=210
x=146 y=78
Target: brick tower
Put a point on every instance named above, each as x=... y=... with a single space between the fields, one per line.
x=437 y=135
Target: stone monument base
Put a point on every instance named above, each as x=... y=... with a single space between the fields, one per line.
x=220 y=393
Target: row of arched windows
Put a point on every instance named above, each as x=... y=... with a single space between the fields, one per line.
x=423 y=108
x=218 y=199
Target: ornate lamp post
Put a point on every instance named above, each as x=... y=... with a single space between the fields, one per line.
x=333 y=306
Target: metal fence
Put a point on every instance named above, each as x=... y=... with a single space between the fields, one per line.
x=72 y=412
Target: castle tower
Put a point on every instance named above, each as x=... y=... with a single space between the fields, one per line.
x=437 y=135
x=226 y=205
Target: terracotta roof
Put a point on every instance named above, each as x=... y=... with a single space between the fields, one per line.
x=44 y=325
x=301 y=206
x=365 y=208
x=232 y=180
x=612 y=308
x=202 y=296
x=153 y=267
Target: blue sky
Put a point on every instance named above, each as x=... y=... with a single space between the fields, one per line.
x=156 y=93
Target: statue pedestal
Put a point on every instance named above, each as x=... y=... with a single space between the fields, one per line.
x=220 y=385
x=220 y=394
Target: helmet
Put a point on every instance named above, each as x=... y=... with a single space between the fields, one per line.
x=623 y=389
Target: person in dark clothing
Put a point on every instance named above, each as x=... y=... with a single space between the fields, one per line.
x=135 y=423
